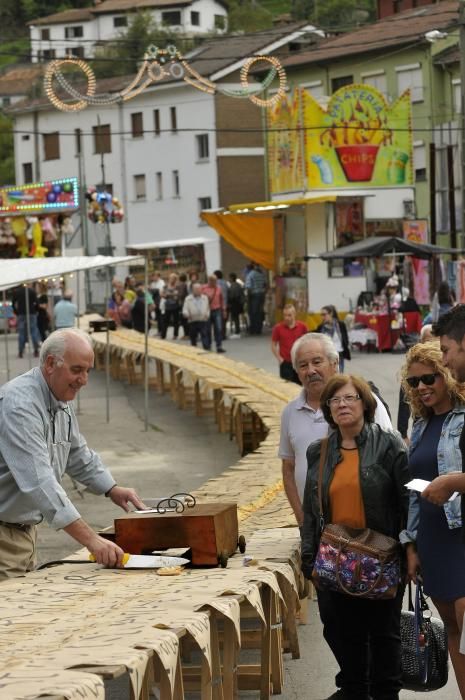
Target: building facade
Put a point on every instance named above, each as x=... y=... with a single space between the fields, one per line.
x=76 y=33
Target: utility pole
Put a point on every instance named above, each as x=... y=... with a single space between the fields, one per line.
x=462 y=117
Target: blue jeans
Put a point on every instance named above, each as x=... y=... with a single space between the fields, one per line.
x=22 y=332
x=216 y=322
x=256 y=303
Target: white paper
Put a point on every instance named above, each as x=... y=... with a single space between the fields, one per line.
x=421 y=484
x=141 y=561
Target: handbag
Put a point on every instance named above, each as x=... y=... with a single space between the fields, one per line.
x=424 y=646
x=359 y=562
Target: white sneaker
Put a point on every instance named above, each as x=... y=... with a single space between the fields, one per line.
x=234 y=336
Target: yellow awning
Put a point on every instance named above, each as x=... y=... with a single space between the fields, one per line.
x=277 y=204
x=251 y=235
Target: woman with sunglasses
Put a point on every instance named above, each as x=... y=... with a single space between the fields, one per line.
x=362 y=486
x=433 y=536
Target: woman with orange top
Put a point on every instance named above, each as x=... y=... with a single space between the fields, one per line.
x=363 y=486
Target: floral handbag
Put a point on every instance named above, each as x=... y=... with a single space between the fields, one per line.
x=359 y=562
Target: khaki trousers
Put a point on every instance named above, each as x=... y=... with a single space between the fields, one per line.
x=17 y=550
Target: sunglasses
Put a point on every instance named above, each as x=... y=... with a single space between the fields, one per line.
x=427 y=379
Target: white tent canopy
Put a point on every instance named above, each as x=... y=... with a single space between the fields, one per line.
x=21 y=270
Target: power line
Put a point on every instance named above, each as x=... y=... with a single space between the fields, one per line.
x=228 y=130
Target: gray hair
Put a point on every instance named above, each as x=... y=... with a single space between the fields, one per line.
x=57 y=342
x=325 y=341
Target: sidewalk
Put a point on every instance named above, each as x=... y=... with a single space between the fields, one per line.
x=179 y=453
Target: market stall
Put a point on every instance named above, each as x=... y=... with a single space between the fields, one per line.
x=184 y=255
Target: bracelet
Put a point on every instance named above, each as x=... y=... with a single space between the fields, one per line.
x=109 y=490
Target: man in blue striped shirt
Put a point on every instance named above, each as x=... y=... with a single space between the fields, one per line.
x=39 y=442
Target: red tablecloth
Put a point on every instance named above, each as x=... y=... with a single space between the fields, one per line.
x=381 y=323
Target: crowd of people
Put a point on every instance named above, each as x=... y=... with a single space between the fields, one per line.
x=201 y=310
x=344 y=464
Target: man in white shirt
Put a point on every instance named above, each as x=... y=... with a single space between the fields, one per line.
x=316 y=360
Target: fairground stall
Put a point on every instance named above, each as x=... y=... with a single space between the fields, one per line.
x=35 y=219
x=337 y=174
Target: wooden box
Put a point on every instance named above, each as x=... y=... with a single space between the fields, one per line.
x=209 y=529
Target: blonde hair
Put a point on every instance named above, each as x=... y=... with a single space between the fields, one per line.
x=429 y=353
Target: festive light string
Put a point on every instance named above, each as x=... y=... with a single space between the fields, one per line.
x=159 y=64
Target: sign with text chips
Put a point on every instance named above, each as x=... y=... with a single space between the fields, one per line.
x=356 y=141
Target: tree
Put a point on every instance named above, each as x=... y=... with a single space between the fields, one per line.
x=7 y=158
x=335 y=14
x=248 y=16
x=123 y=55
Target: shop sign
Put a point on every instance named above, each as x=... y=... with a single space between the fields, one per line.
x=53 y=195
x=357 y=140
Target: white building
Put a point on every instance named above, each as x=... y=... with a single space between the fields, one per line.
x=169 y=153
x=77 y=32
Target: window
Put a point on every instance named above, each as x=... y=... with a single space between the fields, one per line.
x=137 y=124
x=74 y=32
x=139 y=188
x=419 y=161
x=159 y=185
x=27 y=173
x=410 y=77
x=377 y=80
x=156 y=122
x=176 y=187
x=107 y=187
x=195 y=19
x=120 y=21
x=51 y=146
x=75 y=52
x=25 y=137
x=45 y=34
x=337 y=83
x=46 y=54
x=204 y=203
x=173 y=119
x=457 y=95
x=397 y=6
x=171 y=17
x=202 y=147
x=102 y=138
x=6 y=101
x=220 y=22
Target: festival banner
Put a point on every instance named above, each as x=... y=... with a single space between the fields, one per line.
x=358 y=140
x=285 y=145
x=53 y=195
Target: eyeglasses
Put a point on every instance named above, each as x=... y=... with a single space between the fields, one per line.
x=427 y=379
x=337 y=400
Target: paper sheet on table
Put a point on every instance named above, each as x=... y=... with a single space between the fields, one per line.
x=420 y=485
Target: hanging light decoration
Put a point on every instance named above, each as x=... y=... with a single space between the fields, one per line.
x=158 y=64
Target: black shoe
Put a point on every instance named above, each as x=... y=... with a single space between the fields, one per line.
x=36 y=353
x=221 y=350
x=20 y=355
x=338 y=695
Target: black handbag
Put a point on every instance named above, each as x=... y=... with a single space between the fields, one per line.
x=424 y=646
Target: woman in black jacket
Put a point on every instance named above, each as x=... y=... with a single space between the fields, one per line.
x=363 y=486
x=337 y=331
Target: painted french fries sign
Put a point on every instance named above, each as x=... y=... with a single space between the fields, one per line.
x=356 y=140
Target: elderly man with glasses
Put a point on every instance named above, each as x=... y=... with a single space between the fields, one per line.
x=39 y=442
